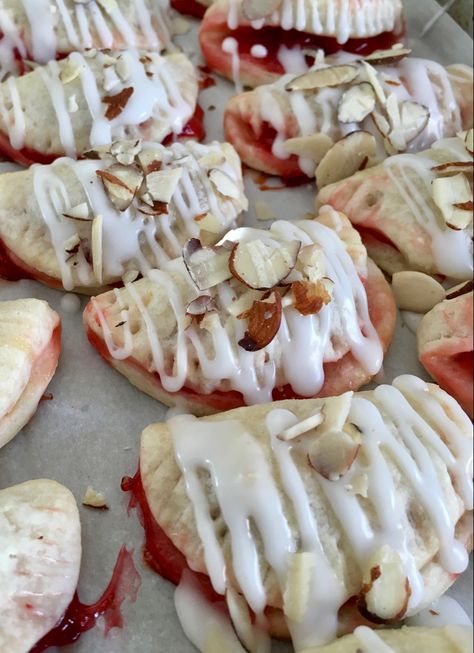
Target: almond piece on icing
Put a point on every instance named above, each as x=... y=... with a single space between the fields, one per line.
x=224 y=184
x=162 y=184
x=357 y=103
x=311 y=296
x=96 y=243
x=386 y=57
x=121 y=184
x=324 y=78
x=264 y=319
x=263 y=265
x=453 y=196
x=332 y=454
x=346 y=157
x=207 y=266
x=117 y=103
x=301 y=567
x=312 y=147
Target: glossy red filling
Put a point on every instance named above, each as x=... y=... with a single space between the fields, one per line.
x=194 y=128
x=189 y=8
x=369 y=234
x=465 y=360
x=80 y=618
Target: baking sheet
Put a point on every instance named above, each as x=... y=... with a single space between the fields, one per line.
x=88 y=434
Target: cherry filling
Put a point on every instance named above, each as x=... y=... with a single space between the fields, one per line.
x=189 y=8
x=194 y=129
x=80 y=618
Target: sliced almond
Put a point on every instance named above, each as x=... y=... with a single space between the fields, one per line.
x=69 y=72
x=469 y=141
x=310 y=296
x=72 y=245
x=381 y=123
x=454 y=168
x=311 y=262
x=359 y=485
x=224 y=184
x=208 y=222
x=94 y=499
x=301 y=567
x=387 y=57
x=201 y=305
x=264 y=212
x=336 y=411
x=357 y=103
x=244 y=303
x=241 y=620
x=263 y=265
x=130 y=276
x=303 y=427
x=256 y=9
x=162 y=184
x=372 y=78
x=449 y=194
x=460 y=289
x=324 y=78
x=332 y=454
x=149 y=161
x=416 y=291
x=386 y=590
x=121 y=183
x=207 y=266
x=414 y=118
x=212 y=159
x=346 y=157
x=312 y=147
x=117 y=103
x=78 y=212
x=125 y=151
x=264 y=319
x=96 y=241
x=123 y=67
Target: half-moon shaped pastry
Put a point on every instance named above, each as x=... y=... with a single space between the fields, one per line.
x=414 y=212
x=83 y=224
x=40 y=556
x=445 y=347
x=256 y=41
x=30 y=342
x=89 y=100
x=296 y=311
x=323 y=512
x=290 y=128
x=46 y=30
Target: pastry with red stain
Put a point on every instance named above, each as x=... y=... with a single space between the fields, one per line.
x=30 y=342
x=296 y=311
x=257 y=41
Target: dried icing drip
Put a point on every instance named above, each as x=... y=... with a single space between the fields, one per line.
x=231 y=46
x=130 y=239
x=42 y=29
x=295 y=356
x=402 y=424
x=344 y=20
x=163 y=97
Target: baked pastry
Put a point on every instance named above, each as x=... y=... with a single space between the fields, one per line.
x=195 y=8
x=296 y=311
x=30 y=342
x=290 y=127
x=68 y=107
x=325 y=512
x=83 y=224
x=256 y=41
x=51 y=30
x=445 y=346
x=40 y=556
x=404 y=209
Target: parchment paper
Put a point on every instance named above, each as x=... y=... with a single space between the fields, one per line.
x=89 y=433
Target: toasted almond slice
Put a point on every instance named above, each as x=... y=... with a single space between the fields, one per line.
x=357 y=103
x=264 y=319
x=454 y=168
x=298 y=582
x=311 y=262
x=372 y=78
x=69 y=72
x=207 y=266
x=125 y=151
x=312 y=147
x=264 y=212
x=460 y=289
x=346 y=157
x=244 y=303
x=414 y=118
x=386 y=57
x=332 y=454
x=469 y=141
x=94 y=499
x=448 y=194
x=305 y=426
x=323 y=78
x=162 y=184
x=263 y=265
x=208 y=222
x=224 y=184
x=255 y=9
x=149 y=161
x=201 y=305
x=78 y=212
x=121 y=184
x=96 y=242
x=241 y=621
x=386 y=590
x=310 y=296
x=416 y=291
x=117 y=103
x=336 y=412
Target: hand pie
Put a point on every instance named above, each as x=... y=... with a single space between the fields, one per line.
x=40 y=556
x=329 y=513
x=405 y=209
x=30 y=342
x=255 y=41
x=88 y=100
x=445 y=347
x=302 y=125
x=42 y=31
x=296 y=311
x=83 y=224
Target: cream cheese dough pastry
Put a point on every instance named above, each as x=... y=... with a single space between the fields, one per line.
x=83 y=225
x=414 y=211
x=256 y=41
x=347 y=113
x=67 y=107
x=45 y=30
x=370 y=497
x=296 y=311
x=30 y=342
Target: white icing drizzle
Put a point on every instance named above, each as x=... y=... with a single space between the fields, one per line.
x=157 y=96
x=125 y=233
x=302 y=345
x=231 y=46
x=344 y=20
x=446 y=611
x=243 y=470
x=49 y=27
